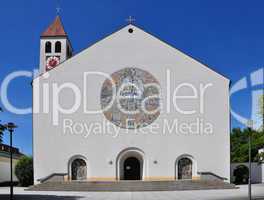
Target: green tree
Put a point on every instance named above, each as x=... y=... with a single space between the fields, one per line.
x=239 y=144
x=24 y=171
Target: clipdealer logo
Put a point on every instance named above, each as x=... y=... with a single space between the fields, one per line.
x=255 y=83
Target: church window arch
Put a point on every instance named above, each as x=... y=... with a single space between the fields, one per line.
x=48 y=47
x=185 y=167
x=58 y=47
x=78 y=168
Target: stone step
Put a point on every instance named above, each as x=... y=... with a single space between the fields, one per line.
x=131 y=186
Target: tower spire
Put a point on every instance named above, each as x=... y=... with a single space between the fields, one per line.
x=55 y=29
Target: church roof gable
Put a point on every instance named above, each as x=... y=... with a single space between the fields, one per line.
x=184 y=54
x=140 y=35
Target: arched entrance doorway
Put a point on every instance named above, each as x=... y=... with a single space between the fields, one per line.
x=132 y=169
x=78 y=170
x=241 y=174
x=184 y=169
x=130 y=164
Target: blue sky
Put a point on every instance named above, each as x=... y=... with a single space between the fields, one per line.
x=226 y=35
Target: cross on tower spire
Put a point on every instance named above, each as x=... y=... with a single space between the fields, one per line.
x=58 y=8
x=130 y=19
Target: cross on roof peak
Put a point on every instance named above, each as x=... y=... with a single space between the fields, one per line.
x=130 y=19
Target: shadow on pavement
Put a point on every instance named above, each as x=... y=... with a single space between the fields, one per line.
x=39 y=197
x=258 y=198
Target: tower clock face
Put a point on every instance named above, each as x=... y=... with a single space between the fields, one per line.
x=52 y=62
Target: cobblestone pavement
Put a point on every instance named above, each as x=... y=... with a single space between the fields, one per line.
x=237 y=194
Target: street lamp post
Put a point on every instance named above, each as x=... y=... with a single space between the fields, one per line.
x=11 y=127
x=250 y=126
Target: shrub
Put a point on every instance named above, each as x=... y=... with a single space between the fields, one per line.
x=24 y=171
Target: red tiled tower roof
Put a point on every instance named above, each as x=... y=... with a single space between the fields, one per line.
x=55 y=29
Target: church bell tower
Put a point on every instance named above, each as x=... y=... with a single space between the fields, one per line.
x=55 y=47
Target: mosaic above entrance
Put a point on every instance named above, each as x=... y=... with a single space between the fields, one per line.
x=131 y=98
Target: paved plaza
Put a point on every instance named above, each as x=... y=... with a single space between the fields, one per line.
x=237 y=194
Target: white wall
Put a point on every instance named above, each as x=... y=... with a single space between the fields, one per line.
x=5 y=171
x=53 y=149
x=262 y=172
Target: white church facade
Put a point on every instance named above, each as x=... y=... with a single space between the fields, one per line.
x=129 y=107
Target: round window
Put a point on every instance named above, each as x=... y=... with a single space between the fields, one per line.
x=131 y=98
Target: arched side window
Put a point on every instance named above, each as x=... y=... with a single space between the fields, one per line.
x=48 y=47
x=185 y=167
x=58 y=47
x=78 y=169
